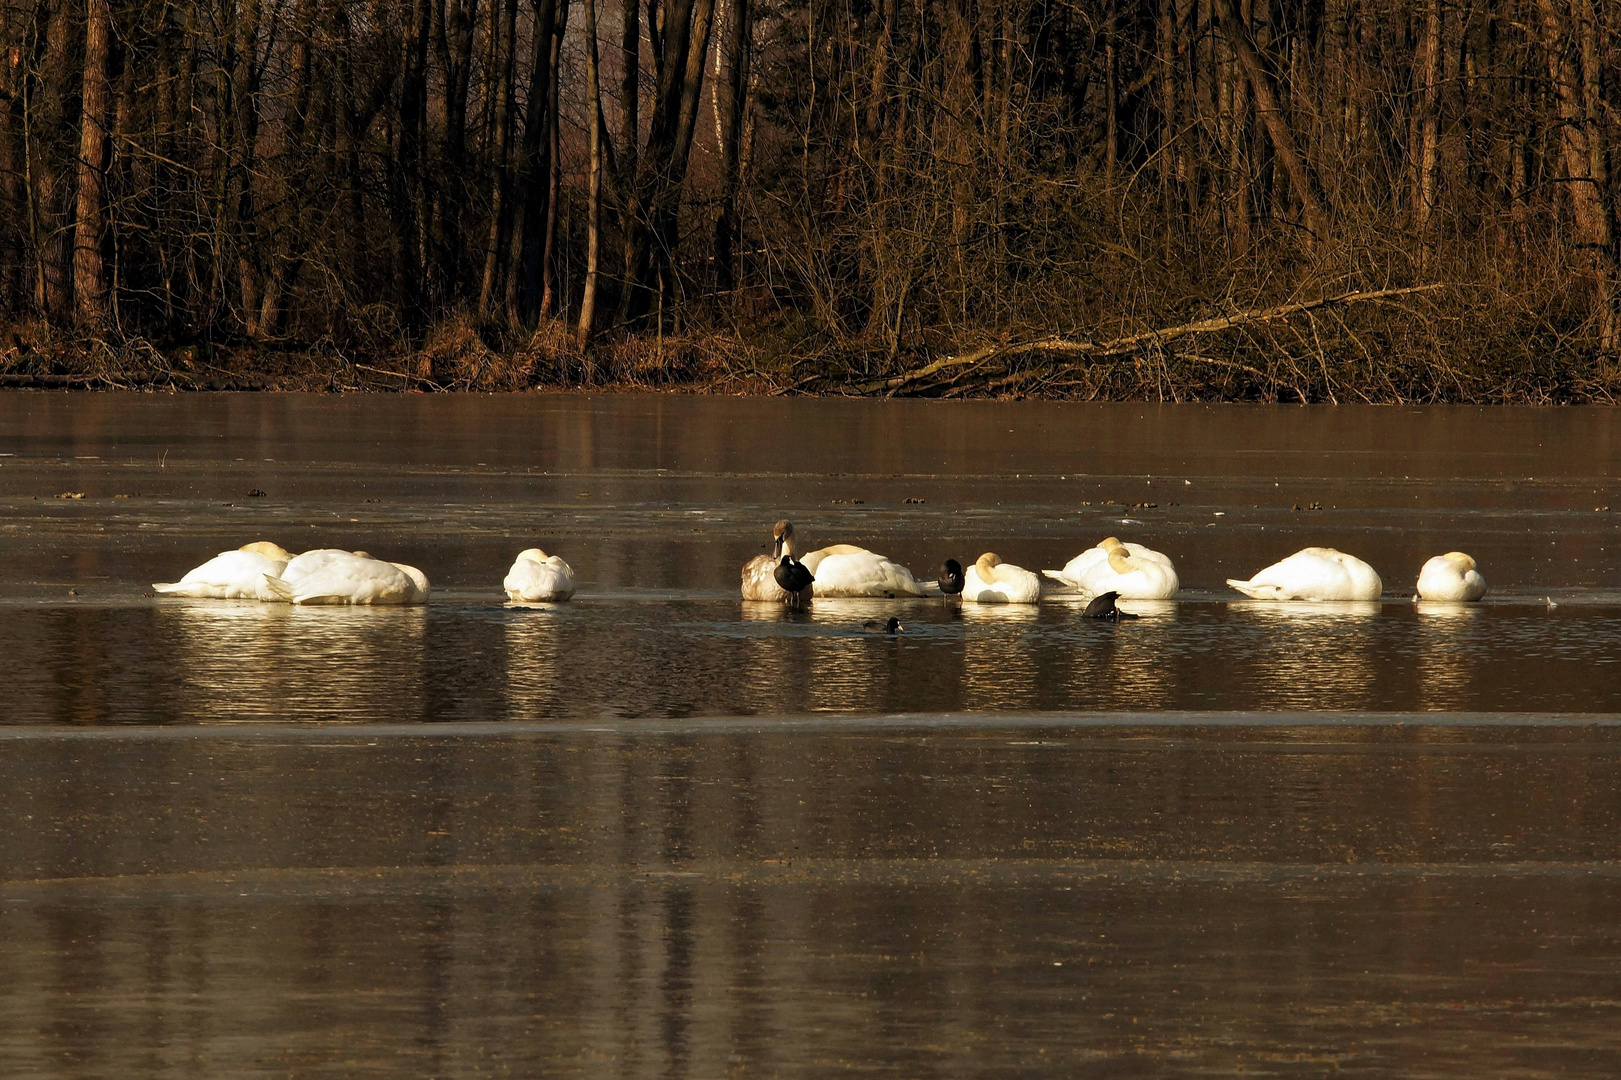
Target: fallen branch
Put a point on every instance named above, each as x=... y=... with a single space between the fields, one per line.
x=1131 y=342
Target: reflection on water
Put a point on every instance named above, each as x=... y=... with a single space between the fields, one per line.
x=688 y=906
x=244 y=661
x=227 y=662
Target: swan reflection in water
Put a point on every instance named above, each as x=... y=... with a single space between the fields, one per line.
x=1121 y=665
x=830 y=664
x=999 y=667
x=1445 y=653
x=534 y=668
x=246 y=661
x=1312 y=654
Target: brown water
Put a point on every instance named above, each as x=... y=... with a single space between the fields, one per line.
x=658 y=831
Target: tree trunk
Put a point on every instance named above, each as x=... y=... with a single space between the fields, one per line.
x=731 y=102
x=505 y=47
x=1426 y=157
x=1573 y=69
x=593 y=221
x=554 y=168
x=1277 y=125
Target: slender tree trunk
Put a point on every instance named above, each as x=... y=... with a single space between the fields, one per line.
x=1573 y=69
x=554 y=168
x=593 y=212
x=90 y=227
x=1426 y=156
x=731 y=102
x=505 y=48
x=531 y=181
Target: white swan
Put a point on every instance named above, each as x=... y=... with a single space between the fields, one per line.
x=1452 y=576
x=233 y=575
x=1314 y=573
x=1133 y=571
x=848 y=570
x=759 y=573
x=992 y=581
x=333 y=576
x=536 y=576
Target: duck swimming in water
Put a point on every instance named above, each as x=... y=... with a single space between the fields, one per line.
x=1131 y=570
x=992 y=581
x=1452 y=576
x=878 y=626
x=1314 y=573
x=951 y=579
x=537 y=577
x=233 y=575
x=760 y=572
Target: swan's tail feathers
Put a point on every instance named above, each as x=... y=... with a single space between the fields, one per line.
x=1058 y=576
x=275 y=588
x=929 y=588
x=170 y=587
x=1254 y=591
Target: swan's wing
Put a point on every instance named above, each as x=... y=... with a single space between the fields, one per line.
x=758 y=582
x=1257 y=590
x=277 y=588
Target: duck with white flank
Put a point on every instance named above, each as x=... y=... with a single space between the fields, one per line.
x=1314 y=573
x=233 y=575
x=537 y=578
x=1131 y=570
x=1452 y=576
x=992 y=581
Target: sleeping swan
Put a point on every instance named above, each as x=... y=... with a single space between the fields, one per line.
x=333 y=576
x=1131 y=570
x=1313 y=573
x=233 y=575
x=992 y=581
x=759 y=573
x=1451 y=577
x=536 y=577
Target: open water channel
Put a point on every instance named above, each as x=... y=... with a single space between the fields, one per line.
x=659 y=831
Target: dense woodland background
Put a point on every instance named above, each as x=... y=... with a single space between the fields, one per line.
x=1068 y=197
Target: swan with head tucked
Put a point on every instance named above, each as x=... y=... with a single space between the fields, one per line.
x=1452 y=576
x=1313 y=573
x=760 y=572
x=992 y=581
x=537 y=577
x=1131 y=570
x=233 y=575
x=848 y=570
x=334 y=576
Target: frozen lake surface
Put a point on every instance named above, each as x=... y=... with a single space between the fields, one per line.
x=660 y=831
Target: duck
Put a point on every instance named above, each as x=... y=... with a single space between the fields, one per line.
x=794 y=580
x=951 y=579
x=760 y=572
x=879 y=626
x=1314 y=573
x=1452 y=576
x=1131 y=570
x=1102 y=607
x=233 y=575
x=335 y=576
x=992 y=581
x=537 y=577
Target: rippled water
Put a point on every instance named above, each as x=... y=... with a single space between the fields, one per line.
x=659 y=830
